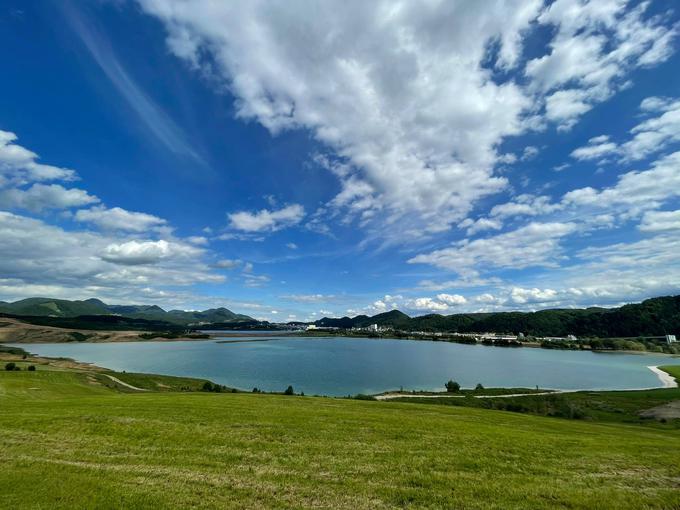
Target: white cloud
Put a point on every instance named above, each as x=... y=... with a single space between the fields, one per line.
x=637 y=190
x=267 y=221
x=524 y=205
x=116 y=218
x=660 y=221
x=146 y=252
x=452 y=299
x=309 y=298
x=45 y=196
x=596 y=148
x=291 y=246
x=384 y=96
x=519 y=295
x=480 y=225
x=656 y=133
x=228 y=263
x=69 y=264
x=19 y=166
x=536 y=244
x=596 y=44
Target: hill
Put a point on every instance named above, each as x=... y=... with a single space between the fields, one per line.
x=653 y=317
x=68 y=437
x=61 y=308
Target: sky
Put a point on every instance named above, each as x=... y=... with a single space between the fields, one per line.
x=295 y=159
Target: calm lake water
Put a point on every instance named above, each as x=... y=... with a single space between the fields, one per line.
x=342 y=366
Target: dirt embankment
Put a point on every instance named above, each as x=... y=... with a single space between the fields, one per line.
x=15 y=331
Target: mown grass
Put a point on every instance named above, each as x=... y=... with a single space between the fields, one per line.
x=67 y=441
x=673 y=370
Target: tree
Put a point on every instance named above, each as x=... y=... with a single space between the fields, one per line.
x=207 y=386
x=452 y=387
x=31 y=368
x=10 y=366
x=289 y=391
x=479 y=386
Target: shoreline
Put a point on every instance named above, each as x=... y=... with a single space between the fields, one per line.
x=667 y=380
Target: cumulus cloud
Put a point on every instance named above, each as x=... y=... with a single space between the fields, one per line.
x=595 y=45
x=378 y=83
x=228 y=263
x=637 y=190
x=524 y=205
x=19 y=166
x=596 y=148
x=648 y=137
x=655 y=133
x=45 y=196
x=70 y=263
x=116 y=218
x=266 y=220
x=536 y=244
x=134 y=253
x=660 y=221
x=309 y=298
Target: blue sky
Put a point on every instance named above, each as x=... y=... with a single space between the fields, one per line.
x=291 y=160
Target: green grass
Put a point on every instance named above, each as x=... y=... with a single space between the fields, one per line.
x=674 y=370
x=154 y=382
x=66 y=441
x=607 y=406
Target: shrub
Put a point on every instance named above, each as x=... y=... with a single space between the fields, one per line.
x=31 y=368
x=452 y=387
x=289 y=391
x=10 y=366
x=479 y=386
x=207 y=386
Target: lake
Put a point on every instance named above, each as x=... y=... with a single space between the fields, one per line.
x=342 y=366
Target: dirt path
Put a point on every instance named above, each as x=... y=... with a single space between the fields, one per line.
x=123 y=383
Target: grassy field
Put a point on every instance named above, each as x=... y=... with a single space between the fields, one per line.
x=67 y=440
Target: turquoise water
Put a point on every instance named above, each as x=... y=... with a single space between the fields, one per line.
x=342 y=366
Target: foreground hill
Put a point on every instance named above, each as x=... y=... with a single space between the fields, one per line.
x=49 y=307
x=72 y=439
x=652 y=317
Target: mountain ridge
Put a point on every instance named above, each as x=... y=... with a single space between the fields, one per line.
x=63 y=308
x=652 y=317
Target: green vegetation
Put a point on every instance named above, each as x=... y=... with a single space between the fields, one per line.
x=70 y=439
x=605 y=406
x=653 y=317
x=673 y=370
x=452 y=386
x=62 y=308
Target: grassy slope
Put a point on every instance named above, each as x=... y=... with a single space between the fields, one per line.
x=673 y=370
x=72 y=443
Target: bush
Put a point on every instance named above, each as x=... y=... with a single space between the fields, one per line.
x=10 y=366
x=207 y=386
x=452 y=387
x=289 y=391
x=479 y=386
x=31 y=368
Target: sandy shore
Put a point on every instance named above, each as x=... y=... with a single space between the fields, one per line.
x=666 y=379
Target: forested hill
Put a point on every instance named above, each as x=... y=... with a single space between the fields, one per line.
x=62 y=308
x=652 y=317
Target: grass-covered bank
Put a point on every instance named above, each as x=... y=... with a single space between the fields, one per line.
x=68 y=440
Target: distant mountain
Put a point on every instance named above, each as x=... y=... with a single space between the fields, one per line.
x=653 y=317
x=49 y=307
